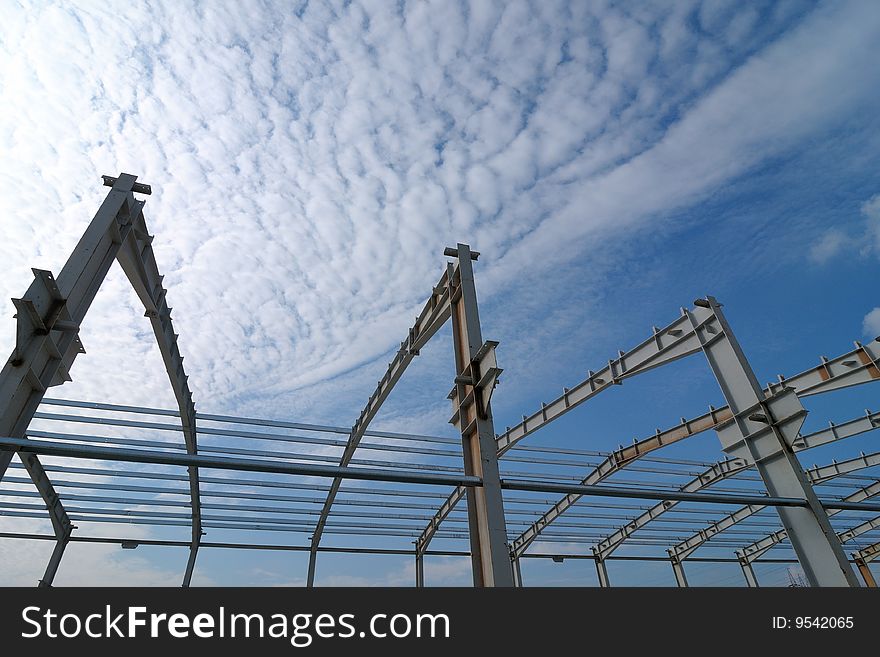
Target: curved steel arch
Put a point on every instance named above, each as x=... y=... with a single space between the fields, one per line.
x=47 y=339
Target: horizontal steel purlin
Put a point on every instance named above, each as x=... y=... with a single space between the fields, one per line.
x=347 y=549
x=373 y=474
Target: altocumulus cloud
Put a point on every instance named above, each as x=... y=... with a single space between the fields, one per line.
x=311 y=160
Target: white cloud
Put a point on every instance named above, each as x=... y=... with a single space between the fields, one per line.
x=871 y=211
x=871 y=323
x=830 y=244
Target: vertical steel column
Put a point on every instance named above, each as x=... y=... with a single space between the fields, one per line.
x=762 y=430
x=420 y=570
x=517 y=573
x=866 y=573
x=55 y=559
x=476 y=375
x=193 y=552
x=678 y=570
x=602 y=570
x=748 y=571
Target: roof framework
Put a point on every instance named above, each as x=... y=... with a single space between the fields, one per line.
x=187 y=471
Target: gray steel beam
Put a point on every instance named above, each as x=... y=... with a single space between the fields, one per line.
x=678 y=571
x=749 y=574
x=47 y=335
x=867 y=575
x=434 y=314
x=665 y=346
x=762 y=430
x=517 y=573
x=55 y=559
x=139 y=264
x=420 y=570
x=476 y=374
x=852 y=368
x=602 y=572
x=863 y=558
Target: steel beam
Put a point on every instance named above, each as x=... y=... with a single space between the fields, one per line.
x=863 y=558
x=867 y=575
x=678 y=571
x=762 y=431
x=139 y=264
x=434 y=314
x=517 y=573
x=602 y=572
x=749 y=574
x=47 y=335
x=869 y=553
x=476 y=374
x=420 y=570
x=55 y=559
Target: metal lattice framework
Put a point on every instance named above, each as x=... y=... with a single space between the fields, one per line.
x=327 y=482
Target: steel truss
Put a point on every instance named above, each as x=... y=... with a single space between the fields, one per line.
x=759 y=429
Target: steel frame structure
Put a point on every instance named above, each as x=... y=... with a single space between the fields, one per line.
x=759 y=429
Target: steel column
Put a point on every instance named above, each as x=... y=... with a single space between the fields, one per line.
x=866 y=573
x=476 y=376
x=517 y=573
x=763 y=430
x=602 y=571
x=678 y=570
x=55 y=560
x=420 y=570
x=748 y=572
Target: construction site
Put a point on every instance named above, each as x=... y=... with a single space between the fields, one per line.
x=487 y=495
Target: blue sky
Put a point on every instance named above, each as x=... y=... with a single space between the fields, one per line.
x=611 y=161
